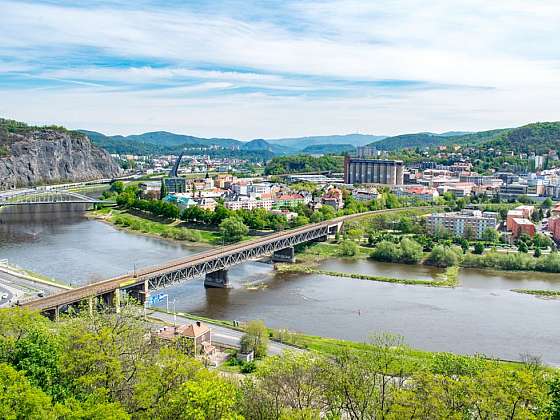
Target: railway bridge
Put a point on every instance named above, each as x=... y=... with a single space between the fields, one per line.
x=213 y=264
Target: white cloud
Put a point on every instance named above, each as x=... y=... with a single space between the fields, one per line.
x=506 y=45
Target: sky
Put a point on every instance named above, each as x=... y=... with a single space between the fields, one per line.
x=270 y=69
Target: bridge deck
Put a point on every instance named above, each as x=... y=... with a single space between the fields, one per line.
x=130 y=279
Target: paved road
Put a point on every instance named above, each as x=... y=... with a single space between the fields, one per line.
x=5 y=302
x=21 y=288
x=223 y=335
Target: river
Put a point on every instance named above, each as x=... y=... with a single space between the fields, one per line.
x=481 y=316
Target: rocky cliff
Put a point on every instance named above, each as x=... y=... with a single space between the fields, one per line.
x=45 y=155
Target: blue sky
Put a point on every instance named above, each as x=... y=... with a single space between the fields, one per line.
x=271 y=69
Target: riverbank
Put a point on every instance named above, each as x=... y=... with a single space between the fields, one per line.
x=410 y=358
x=308 y=261
x=123 y=220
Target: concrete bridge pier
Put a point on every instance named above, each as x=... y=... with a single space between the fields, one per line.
x=286 y=255
x=138 y=292
x=217 y=279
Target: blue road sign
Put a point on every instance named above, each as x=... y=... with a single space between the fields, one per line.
x=157 y=298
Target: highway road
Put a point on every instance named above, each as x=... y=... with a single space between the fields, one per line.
x=223 y=335
x=10 y=295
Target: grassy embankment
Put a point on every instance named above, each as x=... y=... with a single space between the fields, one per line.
x=158 y=228
x=541 y=293
x=308 y=260
x=411 y=358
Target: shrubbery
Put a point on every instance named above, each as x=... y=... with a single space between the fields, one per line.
x=408 y=251
x=514 y=261
x=445 y=256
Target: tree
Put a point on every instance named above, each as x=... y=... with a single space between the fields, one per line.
x=469 y=233
x=522 y=247
x=490 y=235
x=411 y=251
x=542 y=241
x=553 y=407
x=233 y=229
x=547 y=203
x=19 y=399
x=478 y=248
x=444 y=256
x=117 y=187
x=255 y=339
x=386 y=251
x=348 y=248
x=537 y=252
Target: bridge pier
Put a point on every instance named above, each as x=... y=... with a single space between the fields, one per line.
x=286 y=255
x=217 y=279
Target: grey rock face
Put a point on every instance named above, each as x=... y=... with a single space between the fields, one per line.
x=47 y=156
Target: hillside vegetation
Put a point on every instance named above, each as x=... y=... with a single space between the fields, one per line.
x=303 y=163
x=109 y=366
x=536 y=137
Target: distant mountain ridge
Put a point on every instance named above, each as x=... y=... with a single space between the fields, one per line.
x=165 y=142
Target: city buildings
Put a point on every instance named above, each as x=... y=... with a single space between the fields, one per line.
x=247 y=203
x=416 y=191
x=373 y=171
x=463 y=223
x=175 y=184
x=521 y=226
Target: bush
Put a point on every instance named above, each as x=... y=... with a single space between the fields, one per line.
x=386 y=251
x=348 y=248
x=411 y=251
x=248 y=367
x=408 y=251
x=478 y=248
x=255 y=339
x=445 y=256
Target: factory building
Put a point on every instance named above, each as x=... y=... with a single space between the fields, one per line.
x=373 y=171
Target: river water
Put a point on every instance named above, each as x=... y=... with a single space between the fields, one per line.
x=481 y=316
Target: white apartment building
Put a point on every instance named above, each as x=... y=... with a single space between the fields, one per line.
x=458 y=223
x=248 y=204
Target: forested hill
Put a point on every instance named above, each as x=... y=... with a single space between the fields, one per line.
x=430 y=139
x=303 y=164
x=536 y=137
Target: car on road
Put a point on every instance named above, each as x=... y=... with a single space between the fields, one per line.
x=4 y=296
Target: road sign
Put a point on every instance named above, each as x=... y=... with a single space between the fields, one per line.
x=157 y=298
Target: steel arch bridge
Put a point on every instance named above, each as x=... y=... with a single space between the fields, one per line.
x=48 y=197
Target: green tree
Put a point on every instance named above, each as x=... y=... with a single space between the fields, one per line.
x=386 y=251
x=19 y=399
x=490 y=235
x=478 y=248
x=444 y=256
x=411 y=251
x=537 y=252
x=522 y=247
x=117 y=187
x=233 y=229
x=255 y=339
x=348 y=248
x=553 y=407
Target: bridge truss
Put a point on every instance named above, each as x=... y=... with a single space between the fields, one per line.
x=47 y=197
x=231 y=258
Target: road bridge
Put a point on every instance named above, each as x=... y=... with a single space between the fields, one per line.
x=212 y=264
